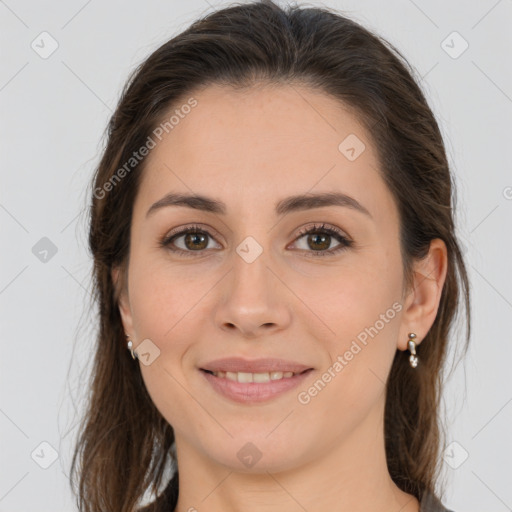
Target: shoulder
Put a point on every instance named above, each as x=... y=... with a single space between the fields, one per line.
x=431 y=503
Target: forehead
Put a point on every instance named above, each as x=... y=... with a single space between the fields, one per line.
x=264 y=141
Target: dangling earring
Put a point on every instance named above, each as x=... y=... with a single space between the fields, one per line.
x=413 y=358
x=130 y=348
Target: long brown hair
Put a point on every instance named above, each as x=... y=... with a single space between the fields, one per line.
x=125 y=446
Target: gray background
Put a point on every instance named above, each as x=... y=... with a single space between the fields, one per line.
x=53 y=113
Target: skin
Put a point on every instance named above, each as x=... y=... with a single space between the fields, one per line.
x=327 y=454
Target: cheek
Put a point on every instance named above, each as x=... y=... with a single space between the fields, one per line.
x=349 y=298
x=162 y=294
x=360 y=310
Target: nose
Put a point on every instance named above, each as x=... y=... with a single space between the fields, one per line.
x=254 y=301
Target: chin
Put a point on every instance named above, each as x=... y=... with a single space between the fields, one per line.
x=255 y=455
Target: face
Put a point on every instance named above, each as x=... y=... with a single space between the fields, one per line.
x=310 y=283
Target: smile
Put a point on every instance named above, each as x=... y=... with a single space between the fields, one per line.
x=247 y=388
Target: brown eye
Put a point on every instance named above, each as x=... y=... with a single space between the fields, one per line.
x=187 y=241
x=195 y=241
x=319 y=242
x=318 y=239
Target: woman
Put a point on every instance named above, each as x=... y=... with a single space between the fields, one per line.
x=277 y=273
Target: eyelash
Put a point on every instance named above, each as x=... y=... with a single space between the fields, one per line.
x=317 y=228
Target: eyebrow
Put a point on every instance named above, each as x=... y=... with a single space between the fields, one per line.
x=287 y=205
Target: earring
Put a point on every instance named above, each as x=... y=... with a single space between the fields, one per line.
x=413 y=358
x=130 y=348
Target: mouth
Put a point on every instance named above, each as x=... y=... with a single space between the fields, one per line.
x=252 y=388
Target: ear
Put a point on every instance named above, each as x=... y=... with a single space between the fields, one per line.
x=422 y=302
x=123 y=301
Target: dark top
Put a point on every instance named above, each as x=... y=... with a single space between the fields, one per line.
x=431 y=503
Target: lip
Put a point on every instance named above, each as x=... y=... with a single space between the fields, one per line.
x=254 y=392
x=239 y=364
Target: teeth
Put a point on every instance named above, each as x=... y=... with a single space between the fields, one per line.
x=245 y=377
